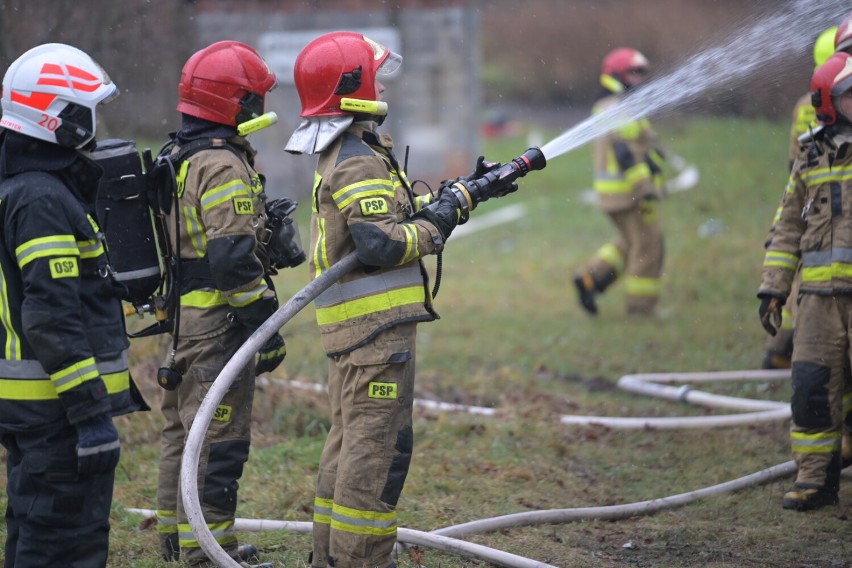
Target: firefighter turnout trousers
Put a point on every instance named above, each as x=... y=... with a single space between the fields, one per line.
x=367 y=453
x=224 y=451
x=821 y=389
x=54 y=517
x=637 y=253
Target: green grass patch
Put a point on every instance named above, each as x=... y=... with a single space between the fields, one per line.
x=513 y=337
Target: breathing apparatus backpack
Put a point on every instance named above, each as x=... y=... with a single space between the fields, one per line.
x=135 y=196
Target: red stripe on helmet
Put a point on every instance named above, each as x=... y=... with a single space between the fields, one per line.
x=38 y=101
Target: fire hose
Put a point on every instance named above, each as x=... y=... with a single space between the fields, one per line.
x=468 y=194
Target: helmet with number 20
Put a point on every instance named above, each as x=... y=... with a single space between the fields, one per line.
x=51 y=93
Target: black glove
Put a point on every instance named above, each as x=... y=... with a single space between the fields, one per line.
x=443 y=213
x=482 y=168
x=271 y=355
x=497 y=190
x=98 y=446
x=254 y=314
x=770 y=312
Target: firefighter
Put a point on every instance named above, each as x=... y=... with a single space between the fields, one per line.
x=628 y=182
x=813 y=229
x=225 y=290
x=779 y=347
x=63 y=368
x=362 y=202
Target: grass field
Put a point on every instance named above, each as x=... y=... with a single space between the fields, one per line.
x=512 y=337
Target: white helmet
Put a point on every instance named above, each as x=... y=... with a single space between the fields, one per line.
x=50 y=93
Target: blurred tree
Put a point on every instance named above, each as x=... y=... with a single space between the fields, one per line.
x=141 y=43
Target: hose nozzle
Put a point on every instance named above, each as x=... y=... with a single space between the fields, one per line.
x=497 y=182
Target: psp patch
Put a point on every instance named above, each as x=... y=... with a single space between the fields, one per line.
x=64 y=267
x=374 y=206
x=381 y=390
x=223 y=413
x=243 y=206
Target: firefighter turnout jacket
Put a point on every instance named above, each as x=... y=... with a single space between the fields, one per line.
x=804 y=120
x=64 y=348
x=815 y=223
x=362 y=201
x=222 y=265
x=814 y=228
x=628 y=165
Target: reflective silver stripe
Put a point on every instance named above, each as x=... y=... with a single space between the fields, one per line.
x=134 y=274
x=98 y=449
x=825 y=258
x=362 y=522
x=369 y=285
x=32 y=369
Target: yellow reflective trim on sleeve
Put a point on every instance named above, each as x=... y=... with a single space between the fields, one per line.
x=366 y=188
x=826 y=273
x=74 y=375
x=224 y=193
x=116 y=382
x=604 y=185
x=637 y=173
x=12 y=347
x=371 y=304
x=64 y=267
x=317 y=182
x=242 y=299
x=195 y=231
x=781 y=259
x=90 y=249
x=203 y=299
x=411 y=241
x=55 y=245
x=422 y=201
x=321 y=262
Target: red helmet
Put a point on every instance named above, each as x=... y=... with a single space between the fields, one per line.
x=843 y=39
x=226 y=83
x=617 y=64
x=337 y=65
x=831 y=79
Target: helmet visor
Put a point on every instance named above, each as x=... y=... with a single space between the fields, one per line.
x=390 y=62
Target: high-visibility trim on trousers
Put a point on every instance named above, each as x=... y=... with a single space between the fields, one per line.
x=223 y=533
x=362 y=522
x=820 y=443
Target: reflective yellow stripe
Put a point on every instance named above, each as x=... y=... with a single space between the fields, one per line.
x=636 y=286
x=12 y=348
x=370 y=305
x=826 y=273
x=203 y=299
x=366 y=188
x=322 y=510
x=223 y=533
x=180 y=178
x=610 y=254
x=363 y=522
x=167 y=521
x=224 y=193
x=637 y=173
x=781 y=259
x=195 y=231
x=820 y=443
x=411 y=240
x=317 y=182
x=786 y=319
x=611 y=84
x=822 y=175
x=55 y=245
x=422 y=201
x=90 y=249
x=320 y=254
x=242 y=299
x=74 y=375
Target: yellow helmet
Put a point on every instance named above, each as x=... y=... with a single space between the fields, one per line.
x=824 y=46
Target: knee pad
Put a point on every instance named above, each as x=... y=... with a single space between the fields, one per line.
x=224 y=468
x=810 y=403
x=399 y=466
